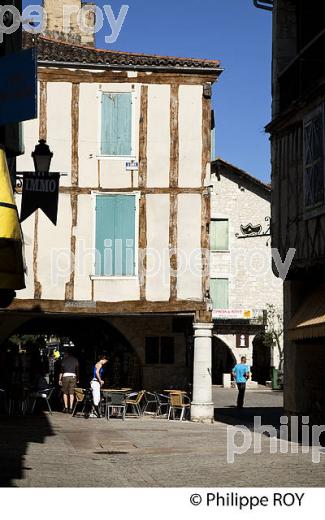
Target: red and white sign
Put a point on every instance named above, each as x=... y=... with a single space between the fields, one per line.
x=237 y=314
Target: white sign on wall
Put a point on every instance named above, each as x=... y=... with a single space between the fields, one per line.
x=131 y=166
x=237 y=314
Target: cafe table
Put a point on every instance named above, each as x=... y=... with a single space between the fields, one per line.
x=107 y=392
x=111 y=390
x=172 y=391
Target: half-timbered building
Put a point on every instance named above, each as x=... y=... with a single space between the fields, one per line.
x=298 y=205
x=126 y=267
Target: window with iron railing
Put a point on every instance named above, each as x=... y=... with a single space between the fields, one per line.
x=304 y=73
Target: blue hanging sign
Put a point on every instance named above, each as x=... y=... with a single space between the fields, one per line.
x=18 y=87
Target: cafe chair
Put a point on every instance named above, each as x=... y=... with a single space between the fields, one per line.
x=17 y=400
x=3 y=399
x=117 y=402
x=79 y=399
x=150 y=404
x=178 y=402
x=43 y=394
x=135 y=403
x=163 y=404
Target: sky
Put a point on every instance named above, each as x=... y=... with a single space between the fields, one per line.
x=237 y=34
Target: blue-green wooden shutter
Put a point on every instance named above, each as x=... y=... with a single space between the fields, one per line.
x=105 y=235
x=115 y=235
x=219 y=235
x=116 y=128
x=219 y=292
x=124 y=235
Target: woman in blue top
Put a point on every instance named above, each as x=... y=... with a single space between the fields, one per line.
x=97 y=381
x=241 y=374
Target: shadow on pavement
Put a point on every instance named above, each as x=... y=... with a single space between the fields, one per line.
x=245 y=416
x=16 y=433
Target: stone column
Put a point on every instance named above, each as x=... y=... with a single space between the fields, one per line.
x=202 y=409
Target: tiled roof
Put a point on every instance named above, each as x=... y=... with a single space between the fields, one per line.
x=51 y=50
x=219 y=166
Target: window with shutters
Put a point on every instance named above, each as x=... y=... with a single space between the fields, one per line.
x=115 y=251
x=116 y=124
x=314 y=174
x=167 y=350
x=219 y=292
x=152 y=350
x=219 y=235
x=160 y=350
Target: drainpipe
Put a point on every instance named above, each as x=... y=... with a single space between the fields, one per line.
x=267 y=5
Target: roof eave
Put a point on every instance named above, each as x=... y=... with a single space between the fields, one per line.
x=140 y=68
x=242 y=174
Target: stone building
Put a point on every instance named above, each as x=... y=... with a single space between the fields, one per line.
x=298 y=203
x=242 y=281
x=125 y=268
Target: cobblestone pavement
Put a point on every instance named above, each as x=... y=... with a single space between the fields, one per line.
x=60 y=451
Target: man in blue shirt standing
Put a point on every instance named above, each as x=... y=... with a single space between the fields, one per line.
x=241 y=374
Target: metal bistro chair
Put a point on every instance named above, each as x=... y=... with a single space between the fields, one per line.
x=181 y=402
x=117 y=402
x=42 y=394
x=3 y=398
x=163 y=403
x=18 y=400
x=151 y=404
x=135 y=401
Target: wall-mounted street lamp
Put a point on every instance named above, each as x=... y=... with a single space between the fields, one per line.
x=42 y=157
x=40 y=187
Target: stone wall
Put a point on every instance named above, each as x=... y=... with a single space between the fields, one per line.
x=56 y=21
x=248 y=262
x=156 y=376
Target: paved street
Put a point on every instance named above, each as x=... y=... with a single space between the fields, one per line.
x=261 y=402
x=64 y=451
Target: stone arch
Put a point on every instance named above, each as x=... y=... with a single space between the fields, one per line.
x=91 y=336
x=9 y=324
x=223 y=359
x=261 y=366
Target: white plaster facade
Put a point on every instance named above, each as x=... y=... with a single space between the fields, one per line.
x=97 y=173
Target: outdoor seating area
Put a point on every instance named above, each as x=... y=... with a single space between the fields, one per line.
x=158 y=405
x=21 y=400
x=123 y=403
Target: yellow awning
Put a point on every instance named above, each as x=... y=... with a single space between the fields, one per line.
x=9 y=222
x=11 y=243
x=309 y=320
